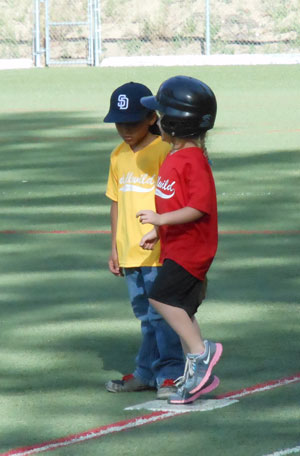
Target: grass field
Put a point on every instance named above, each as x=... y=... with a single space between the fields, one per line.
x=66 y=324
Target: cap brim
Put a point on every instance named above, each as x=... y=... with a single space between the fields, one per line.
x=123 y=117
x=150 y=103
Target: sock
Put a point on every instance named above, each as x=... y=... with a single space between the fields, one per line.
x=200 y=355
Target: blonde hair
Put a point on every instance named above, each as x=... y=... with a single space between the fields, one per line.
x=198 y=140
x=203 y=144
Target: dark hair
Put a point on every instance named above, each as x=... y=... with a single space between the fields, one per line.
x=154 y=129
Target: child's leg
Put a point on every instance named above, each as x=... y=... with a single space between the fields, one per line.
x=169 y=364
x=201 y=357
x=148 y=351
x=184 y=346
x=187 y=329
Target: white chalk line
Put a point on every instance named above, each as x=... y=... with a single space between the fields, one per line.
x=296 y=449
x=262 y=387
x=140 y=421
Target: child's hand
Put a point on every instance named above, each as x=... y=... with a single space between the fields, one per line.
x=113 y=264
x=149 y=240
x=147 y=216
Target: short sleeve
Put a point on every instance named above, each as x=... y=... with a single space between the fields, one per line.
x=199 y=182
x=112 y=181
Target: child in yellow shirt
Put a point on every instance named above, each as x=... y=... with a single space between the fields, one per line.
x=131 y=184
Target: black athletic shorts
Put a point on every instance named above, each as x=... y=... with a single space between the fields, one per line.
x=176 y=287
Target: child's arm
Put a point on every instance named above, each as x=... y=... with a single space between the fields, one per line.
x=149 y=240
x=184 y=215
x=113 y=262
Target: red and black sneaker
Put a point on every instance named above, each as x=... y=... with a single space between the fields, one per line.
x=167 y=388
x=128 y=384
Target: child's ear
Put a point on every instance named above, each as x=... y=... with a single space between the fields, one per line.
x=153 y=118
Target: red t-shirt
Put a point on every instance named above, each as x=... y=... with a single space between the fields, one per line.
x=185 y=179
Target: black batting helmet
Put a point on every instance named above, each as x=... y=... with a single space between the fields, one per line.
x=188 y=106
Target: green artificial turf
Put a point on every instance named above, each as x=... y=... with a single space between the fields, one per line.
x=66 y=324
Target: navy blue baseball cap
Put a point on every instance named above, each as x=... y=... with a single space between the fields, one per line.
x=125 y=105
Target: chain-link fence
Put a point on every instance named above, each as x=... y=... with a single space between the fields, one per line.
x=16 y=28
x=70 y=27
x=156 y=27
x=75 y=31
x=160 y=27
x=256 y=26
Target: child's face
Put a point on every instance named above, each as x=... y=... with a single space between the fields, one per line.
x=133 y=133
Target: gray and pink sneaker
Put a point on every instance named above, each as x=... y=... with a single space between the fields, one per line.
x=184 y=397
x=197 y=372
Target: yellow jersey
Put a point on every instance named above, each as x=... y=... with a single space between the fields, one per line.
x=131 y=183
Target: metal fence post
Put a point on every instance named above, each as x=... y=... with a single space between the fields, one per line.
x=47 y=34
x=90 y=60
x=37 y=37
x=96 y=32
x=207 y=26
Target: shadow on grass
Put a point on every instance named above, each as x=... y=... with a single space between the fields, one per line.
x=54 y=170
x=258 y=191
x=58 y=296
x=66 y=322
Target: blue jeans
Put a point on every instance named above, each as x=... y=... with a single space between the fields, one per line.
x=160 y=356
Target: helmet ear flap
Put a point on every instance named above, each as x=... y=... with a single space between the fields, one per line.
x=184 y=127
x=206 y=122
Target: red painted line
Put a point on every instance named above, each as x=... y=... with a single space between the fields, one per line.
x=140 y=420
x=223 y=232
x=260 y=232
x=91 y=434
x=249 y=131
x=260 y=387
x=55 y=232
x=294 y=130
x=50 y=139
x=285 y=451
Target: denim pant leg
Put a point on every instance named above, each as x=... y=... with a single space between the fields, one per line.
x=148 y=351
x=171 y=360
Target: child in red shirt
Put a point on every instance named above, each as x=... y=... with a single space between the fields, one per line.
x=186 y=223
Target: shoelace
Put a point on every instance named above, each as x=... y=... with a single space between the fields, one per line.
x=188 y=372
